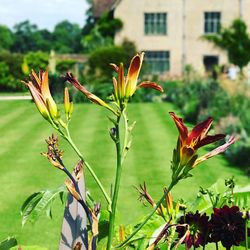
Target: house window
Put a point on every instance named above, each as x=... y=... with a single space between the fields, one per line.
x=212 y=22
x=155 y=23
x=157 y=61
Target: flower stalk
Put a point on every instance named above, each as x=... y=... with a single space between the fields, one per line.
x=158 y=204
x=39 y=89
x=120 y=155
x=67 y=136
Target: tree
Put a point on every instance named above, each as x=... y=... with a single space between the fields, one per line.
x=99 y=32
x=235 y=41
x=67 y=37
x=36 y=60
x=6 y=40
x=27 y=37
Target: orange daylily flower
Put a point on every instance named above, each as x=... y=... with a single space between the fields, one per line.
x=39 y=89
x=189 y=143
x=125 y=87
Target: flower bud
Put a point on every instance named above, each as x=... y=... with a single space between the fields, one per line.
x=67 y=104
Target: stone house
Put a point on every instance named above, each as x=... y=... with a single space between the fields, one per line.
x=169 y=31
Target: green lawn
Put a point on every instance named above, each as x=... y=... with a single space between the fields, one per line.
x=24 y=170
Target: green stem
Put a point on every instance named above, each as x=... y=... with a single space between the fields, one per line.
x=125 y=143
x=117 y=185
x=86 y=164
x=246 y=235
x=172 y=184
x=216 y=245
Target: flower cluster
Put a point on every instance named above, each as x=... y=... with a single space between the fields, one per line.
x=124 y=86
x=39 y=88
x=226 y=225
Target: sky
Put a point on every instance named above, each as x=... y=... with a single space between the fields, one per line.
x=44 y=13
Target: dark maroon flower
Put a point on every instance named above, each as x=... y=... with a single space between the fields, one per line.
x=227 y=226
x=198 y=229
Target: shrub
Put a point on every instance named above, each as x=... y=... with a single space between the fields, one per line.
x=65 y=65
x=36 y=60
x=198 y=97
x=100 y=59
x=11 y=72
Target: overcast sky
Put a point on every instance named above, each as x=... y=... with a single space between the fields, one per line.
x=44 y=13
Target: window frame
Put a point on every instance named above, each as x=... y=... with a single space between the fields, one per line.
x=212 y=22
x=158 y=61
x=155 y=23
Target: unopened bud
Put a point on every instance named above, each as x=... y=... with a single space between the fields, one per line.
x=169 y=202
x=54 y=114
x=68 y=106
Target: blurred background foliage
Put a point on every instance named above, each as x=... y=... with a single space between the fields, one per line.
x=87 y=51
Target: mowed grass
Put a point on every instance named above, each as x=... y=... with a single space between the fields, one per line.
x=24 y=170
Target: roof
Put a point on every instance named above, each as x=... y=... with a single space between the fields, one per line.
x=102 y=6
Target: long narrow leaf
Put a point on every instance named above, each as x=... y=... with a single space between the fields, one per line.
x=40 y=203
x=8 y=243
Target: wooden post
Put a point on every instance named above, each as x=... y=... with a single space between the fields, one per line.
x=74 y=227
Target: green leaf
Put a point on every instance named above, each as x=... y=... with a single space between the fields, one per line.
x=241 y=197
x=103 y=224
x=146 y=232
x=39 y=203
x=8 y=243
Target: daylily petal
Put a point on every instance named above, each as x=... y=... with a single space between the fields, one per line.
x=114 y=66
x=121 y=81
x=200 y=130
x=151 y=85
x=43 y=85
x=40 y=104
x=44 y=77
x=93 y=98
x=53 y=112
x=71 y=79
x=133 y=73
x=216 y=151
x=35 y=79
x=183 y=131
x=209 y=139
x=115 y=88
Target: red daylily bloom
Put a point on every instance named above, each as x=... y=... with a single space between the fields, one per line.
x=189 y=143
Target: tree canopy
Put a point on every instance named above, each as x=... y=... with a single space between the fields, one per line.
x=235 y=40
